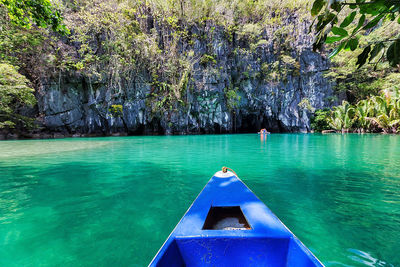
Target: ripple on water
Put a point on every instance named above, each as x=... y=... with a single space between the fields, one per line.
x=114 y=201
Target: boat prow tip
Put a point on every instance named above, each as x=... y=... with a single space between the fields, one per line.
x=221 y=174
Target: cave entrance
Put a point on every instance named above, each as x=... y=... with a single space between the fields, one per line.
x=252 y=123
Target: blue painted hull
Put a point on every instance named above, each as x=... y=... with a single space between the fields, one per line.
x=227 y=225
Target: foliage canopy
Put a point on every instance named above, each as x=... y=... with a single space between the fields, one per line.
x=42 y=13
x=14 y=94
x=344 y=23
x=379 y=113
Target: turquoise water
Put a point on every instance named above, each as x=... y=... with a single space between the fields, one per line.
x=113 y=201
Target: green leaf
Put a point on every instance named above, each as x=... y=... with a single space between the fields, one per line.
x=393 y=123
x=324 y=20
x=319 y=42
x=375 y=51
x=332 y=39
x=360 y=23
x=373 y=22
x=352 y=44
x=349 y=19
x=362 y=58
x=339 y=31
x=317 y=6
x=375 y=7
x=336 y=50
x=39 y=12
x=353 y=6
x=392 y=16
x=336 y=5
x=393 y=53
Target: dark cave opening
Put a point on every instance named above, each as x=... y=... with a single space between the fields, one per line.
x=252 y=123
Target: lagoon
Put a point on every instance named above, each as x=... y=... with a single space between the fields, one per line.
x=114 y=200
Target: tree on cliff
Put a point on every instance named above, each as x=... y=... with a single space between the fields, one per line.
x=42 y=13
x=334 y=24
x=14 y=94
x=15 y=89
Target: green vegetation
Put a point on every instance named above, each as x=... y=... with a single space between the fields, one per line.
x=319 y=121
x=306 y=105
x=369 y=29
x=112 y=43
x=358 y=84
x=346 y=22
x=41 y=13
x=116 y=110
x=14 y=94
x=22 y=47
x=376 y=114
x=207 y=59
x=355 y=28
x=233 y=98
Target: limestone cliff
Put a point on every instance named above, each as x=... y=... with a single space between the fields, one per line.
x=238 y=81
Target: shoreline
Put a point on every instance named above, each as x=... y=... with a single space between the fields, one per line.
x=58 y=135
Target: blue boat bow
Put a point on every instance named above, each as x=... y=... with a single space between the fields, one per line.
x=227 y=225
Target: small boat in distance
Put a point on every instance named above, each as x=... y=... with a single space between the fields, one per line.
x=227 y=225
x=263 y=131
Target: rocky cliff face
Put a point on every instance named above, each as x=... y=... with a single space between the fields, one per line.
x=260 y=78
